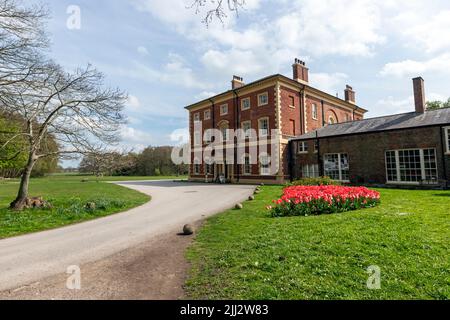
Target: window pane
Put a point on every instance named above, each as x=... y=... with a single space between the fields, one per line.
x=345 y=167
x=391 y=166
x=410 y=167
x=429 y=157
x=331 y=166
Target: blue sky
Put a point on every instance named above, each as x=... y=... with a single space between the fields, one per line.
x=165 y=58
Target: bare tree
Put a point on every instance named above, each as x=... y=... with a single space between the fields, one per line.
x=22 y=40
x=217 y=8
x=74 y=108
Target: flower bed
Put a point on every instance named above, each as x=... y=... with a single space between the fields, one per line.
x=315 y=200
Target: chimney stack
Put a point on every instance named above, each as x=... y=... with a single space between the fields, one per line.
x=237 y=82
x=350 y=95
x=301 y=72
x=419 y=95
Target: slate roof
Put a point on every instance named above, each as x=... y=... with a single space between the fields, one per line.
x=397 y=121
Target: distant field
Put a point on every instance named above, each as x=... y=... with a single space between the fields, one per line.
x=69 y=196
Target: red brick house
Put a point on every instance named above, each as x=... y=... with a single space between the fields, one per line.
x=402 y=149
x=289 y=107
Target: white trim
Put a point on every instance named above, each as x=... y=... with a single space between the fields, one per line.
x=314 y=106
x=220 y=111
x=339 y=165
x=245 y=131
x=207 y=112
x=259 y=127
x=303 y=143
x=291 y=98
x=263 y=94
x=447 y=141
x=398 y=169
x=249 y=104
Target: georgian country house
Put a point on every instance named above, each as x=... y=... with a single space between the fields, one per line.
x=291 y=107
x=410 y=149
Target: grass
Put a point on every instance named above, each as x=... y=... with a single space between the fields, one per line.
x=246 y=254
x=68 y=196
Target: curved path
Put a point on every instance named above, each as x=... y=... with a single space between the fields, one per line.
x=29 y=258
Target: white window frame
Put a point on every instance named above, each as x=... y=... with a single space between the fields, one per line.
x=293 y=99
x=264 y=169
x=259 y=100
x=249 y=104
x=244 y=165
x=447 y=140
x=339 y=164
x=249 y=130
x=222 y=113
x=197 y=117
x=397 y=165
x=314 y=112
x=302 y=147
x=197 y=138
x=207 y=115
x=207 y=137
x=260 y=131
x=312 y=171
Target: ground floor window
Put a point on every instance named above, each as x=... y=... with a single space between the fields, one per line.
x=247 y=165
x=411 y=166
x=265 y=165
x=310 y=171
x=336 y=166
x=209 y=169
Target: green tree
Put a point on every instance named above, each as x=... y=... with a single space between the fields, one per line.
x=433 y=105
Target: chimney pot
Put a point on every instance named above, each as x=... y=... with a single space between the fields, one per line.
x=419 y=95
x=237 y=82
x=350 y=95
x=300 y=71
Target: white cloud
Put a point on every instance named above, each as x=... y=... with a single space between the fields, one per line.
x=135 y=138
x=142 y=51
x=180 y=136
x=428 y=30
x=204 y=94
x=328 y=82
x=233 y=61
x=340 y=27
x=415 y=68
x=133 y=103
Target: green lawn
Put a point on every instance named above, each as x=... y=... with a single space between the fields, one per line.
x=246 y=254
x=68 y=195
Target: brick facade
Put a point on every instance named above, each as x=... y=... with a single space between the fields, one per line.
x=288 y=111
x=367 y=152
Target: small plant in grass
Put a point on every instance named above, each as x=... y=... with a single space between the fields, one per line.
x=315 y=200
x=320 y=181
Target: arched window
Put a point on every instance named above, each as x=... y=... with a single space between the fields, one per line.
x=224 y=127
x=331 y=120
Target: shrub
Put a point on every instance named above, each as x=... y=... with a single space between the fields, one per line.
x=315 y=200
x=321 y=181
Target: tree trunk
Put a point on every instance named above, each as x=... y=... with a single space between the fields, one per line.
x=22 y=195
